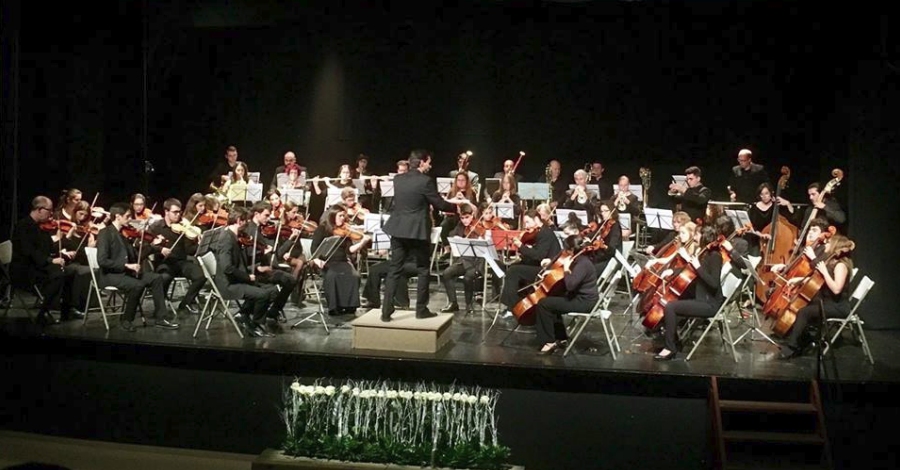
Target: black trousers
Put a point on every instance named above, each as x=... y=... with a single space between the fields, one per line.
x=404 y=250
x=447 y=225
x=811 y=313
x=469 y=274
x=548 y=317
x=189 y=269
x=133 y=290
x=517 y=275
x=256 y=300
x=378 y=272
x=684 y=308
x=55 y=284
x=280 y=278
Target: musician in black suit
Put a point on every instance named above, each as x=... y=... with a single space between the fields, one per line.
x=35 y=263
x=546 y=246
x=120 y=268
x=264 y=262
x=828 y=208
x=410 y=229
x=175 y=255
x=694 y=197
x=745 y=178
x=233 y=277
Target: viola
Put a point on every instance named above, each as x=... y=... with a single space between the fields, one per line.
x=528 y=236
x=304 y=225
x=190 y=231
x=476 y=230
x=346 y=232
x=495 y=223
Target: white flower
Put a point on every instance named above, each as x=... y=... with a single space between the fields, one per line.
x=406 y=395
x=447 y=396
x=345 y=388
x=471 y=399
x=485 y=400
x=380 y=394
x=329 y=390
x=295 y=386
x=436 y=396
x=355 y=392
x=456 y=396
x=319 y=390
x=391 y=394
x=417 y=395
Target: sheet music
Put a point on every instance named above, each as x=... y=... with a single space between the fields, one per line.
x=387 y=188
x=444 y=184
x=534 y=191
x=738 y=218
x=505 y=210
x=374 y=222
x=659 y=218
x=562 y=216
x=625 y=220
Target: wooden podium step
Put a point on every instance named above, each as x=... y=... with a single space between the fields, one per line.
x=767 y=406
x=404 y=332
x=773 y=437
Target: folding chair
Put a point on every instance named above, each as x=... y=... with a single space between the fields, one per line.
x=312 y=287
x=94 y=288
x=606 y=288
x=731 y=291
x=12 y=291
x=859 y=294
x=215 y=304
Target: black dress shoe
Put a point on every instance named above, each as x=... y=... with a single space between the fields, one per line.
x=425 y=314
x=75 y=314
x=789 y=352
x=667 y=357
x=470 y=310
x=401 y=306
x=189 y=309
x=369 y=304
x=166 y=324
x=259 y=332
x=548 y=349
x=385 y=318
x=128 y=326
x=452 y=308
x=47 y=318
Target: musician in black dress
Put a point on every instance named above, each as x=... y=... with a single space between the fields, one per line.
x=545 y=248
x=694 y=197
x=36 y=262
x=340 y=280
x=611 y=232
x=835 y=267
x=707 y=289
x=745 y=178
x=120 y=268
x=174 y=255
x=467 y=266
x=580 y=296
x=760 y=214
x=508 y=194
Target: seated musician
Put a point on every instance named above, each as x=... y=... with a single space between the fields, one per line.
x=376 y=275
x=289 y=159
x=296 y=177
x=812 y=249
x=686 y=236
x=290 y=250
x=624 y=200
x=239 y=180
x=611 y=232
x=120 y=268
x=470 y=267
x=707 y=290
x=340 y=280
x=356 y=213
x=195 y=207
x=462 y=166
x=173 y=254
x=462 y=189
x=835 y=266
x=760 y=214
x=36 y=261
x=68 y=200
x=545 y=247
x=82 y=234
x=275 y=203
x=508 y=169
x=580 y=198
x=233 y=277
x=262 y=251
x=344 y=180
x=678 y=219
x=139 y=208
x=369 y=182
x=507 y=193
x=580 y=296
x=545 y=212
x=558 y=184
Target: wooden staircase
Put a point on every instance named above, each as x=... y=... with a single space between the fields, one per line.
x=769 y=434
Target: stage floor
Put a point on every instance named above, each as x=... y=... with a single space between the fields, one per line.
x=502 y=355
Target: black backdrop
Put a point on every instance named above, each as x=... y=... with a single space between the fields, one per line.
x=630 y=84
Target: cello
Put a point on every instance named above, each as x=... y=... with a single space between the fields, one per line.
x=800 y=266
x=781 y=236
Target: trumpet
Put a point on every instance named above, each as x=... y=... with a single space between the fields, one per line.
x=621 y=202
x=581 y=193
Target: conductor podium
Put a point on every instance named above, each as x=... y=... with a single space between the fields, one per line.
x=404 y=332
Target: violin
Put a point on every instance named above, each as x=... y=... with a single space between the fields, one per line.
x=528 y=236
x=132 y=233
x=213 y=219
x=303 y=225
x=190 y=231
x=346 y=232
x=476 y=230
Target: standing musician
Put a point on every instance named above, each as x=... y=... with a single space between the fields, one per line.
x=507 y=193
x=410 y=229
x=580 y=296
x=694 y=197
x=263 y=269
x=120 y=268
x=558 y=184
x=596 y=177
x=220 y=173
x=173 y=254
x=509 y=167
x=745 y=178
x=708 y=295
x=678 y=219
x=828 y=208
x=611 y=232
x=545 y=248
x=340 y=281
x=36 y=262
x=760 y=214
x=470 y=267
x=462 y=189
x=289 y=160
x=233 y=278
x=833 y=293
x=462 y=166
x=581 y=198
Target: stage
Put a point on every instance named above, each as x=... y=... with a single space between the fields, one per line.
x=214 y=377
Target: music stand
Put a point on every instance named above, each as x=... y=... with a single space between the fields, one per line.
x=625 y=220
x=281 y=180
x=253 y=176
x=738 y=217
x=324 y=251
x=562 y=216
x=373 y=222
x=746 y=289
x=659 y=218
x=480 y=248
x=444 y=185
x=333 y=196
x=298 y=197
x=505 y=210
x=387 y=188
x=534 y=191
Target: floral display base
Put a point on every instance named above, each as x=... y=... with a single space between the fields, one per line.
x=272 y=459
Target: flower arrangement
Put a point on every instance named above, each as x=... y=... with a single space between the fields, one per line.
x=385 y=423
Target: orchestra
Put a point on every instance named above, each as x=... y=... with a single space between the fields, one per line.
x=262 y=261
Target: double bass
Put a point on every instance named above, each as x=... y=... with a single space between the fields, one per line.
x=837 y=175
x=781 y=239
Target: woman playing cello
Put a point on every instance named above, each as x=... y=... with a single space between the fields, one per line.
x=834 y=267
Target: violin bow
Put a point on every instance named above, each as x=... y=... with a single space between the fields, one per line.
x=274 y=248
x=141 y=245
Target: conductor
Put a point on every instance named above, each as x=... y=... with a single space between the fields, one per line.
x=410 y=229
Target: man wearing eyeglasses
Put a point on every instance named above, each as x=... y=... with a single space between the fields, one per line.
x=172 y=253
x=694 y=197
x=36 y=262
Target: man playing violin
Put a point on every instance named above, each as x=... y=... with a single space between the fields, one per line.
x=541 y=250
x=172 y=254
x=470 y=267
x=265 y=264
x=120 y=268
x=36 y=262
